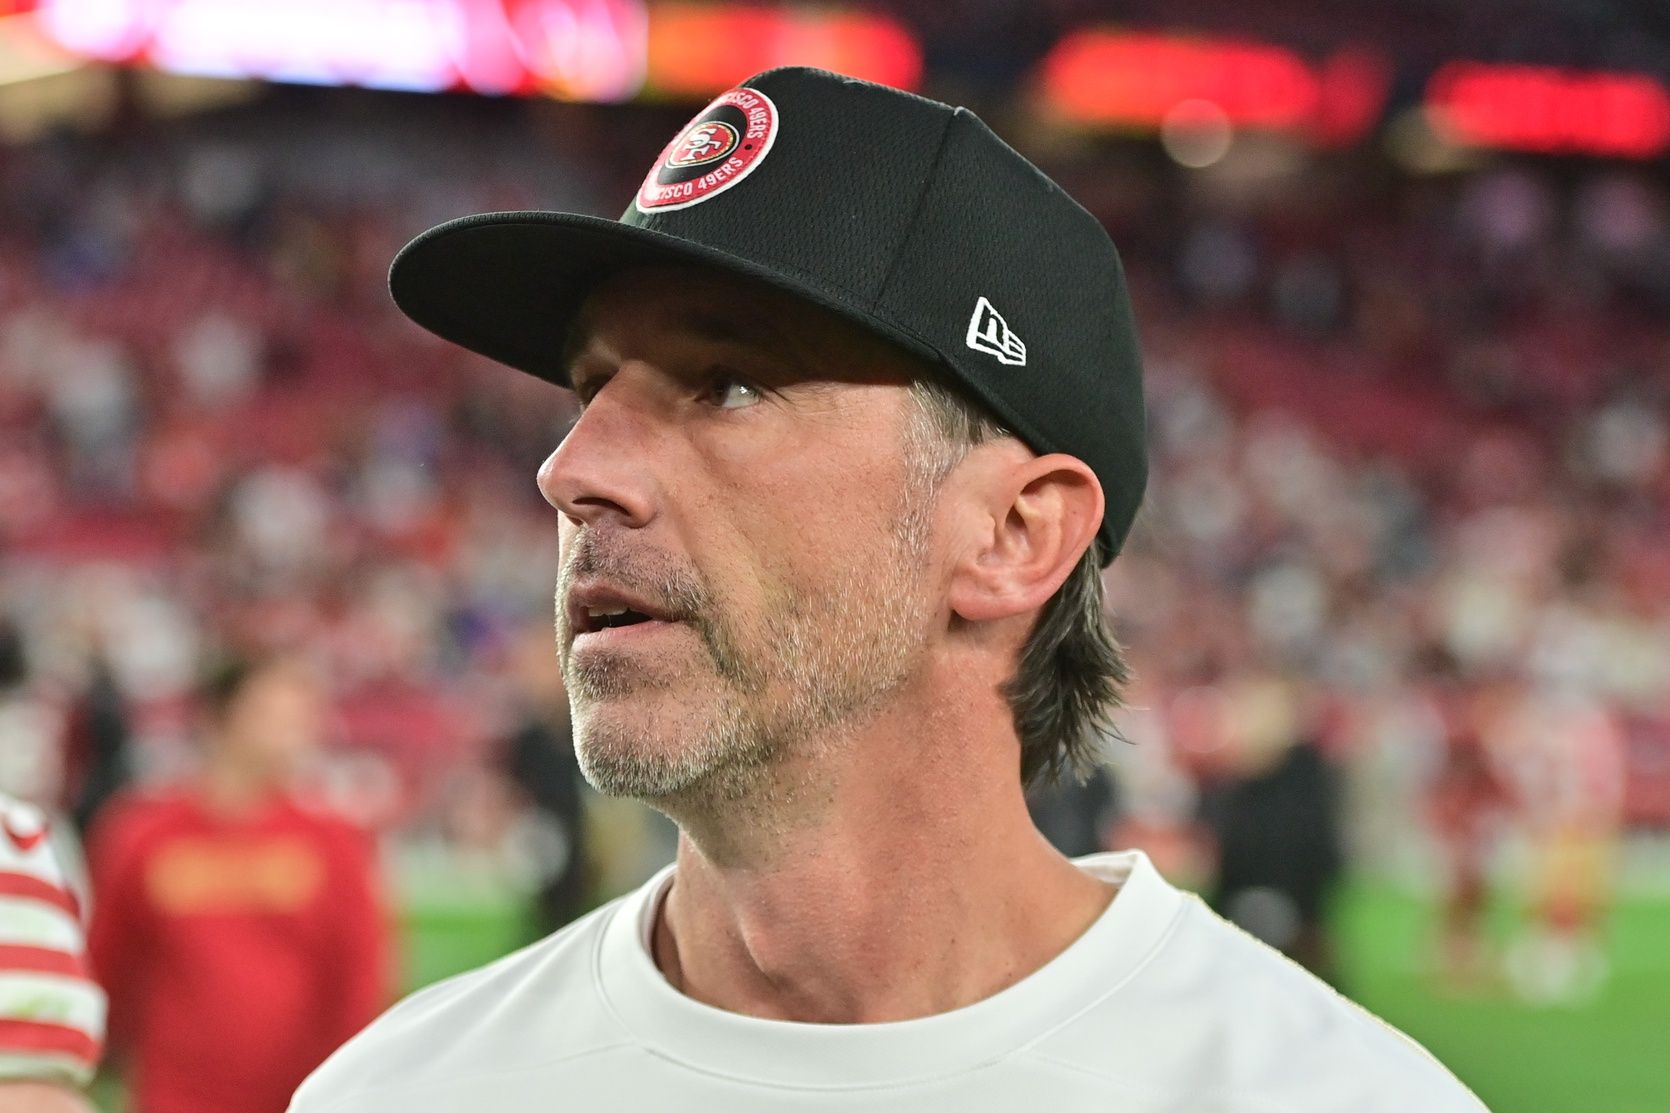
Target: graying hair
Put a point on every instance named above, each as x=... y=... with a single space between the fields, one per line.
x=1071 y=675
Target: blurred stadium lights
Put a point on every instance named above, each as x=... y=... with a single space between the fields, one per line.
x=1196 y=133
x=1136 y=80
x=1141 y=81
x=594 y=50
x=1553 y=111
x=25 y=53
x=42 y=84
x=1195 y=91
x=569 y=49
x=1415 y=144
x=700 y=49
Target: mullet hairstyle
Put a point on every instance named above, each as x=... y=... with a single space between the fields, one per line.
x=1071 y=675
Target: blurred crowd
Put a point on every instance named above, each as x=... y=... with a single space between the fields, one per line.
x=1411 y=503
x=1400 y=594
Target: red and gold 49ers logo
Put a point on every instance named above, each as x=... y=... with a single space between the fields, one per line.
x=707 y=142
x=715 y=151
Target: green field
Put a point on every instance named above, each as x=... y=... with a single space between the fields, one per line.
x=1609 y=1055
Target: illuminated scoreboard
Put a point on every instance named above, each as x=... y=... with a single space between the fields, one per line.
x=1195 y=91
x=1552 y=111
x=593 y=50
x=1134 y=81
x=573 y=49
x=1140 y=81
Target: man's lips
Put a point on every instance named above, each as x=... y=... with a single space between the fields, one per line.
x=620 y=638
x=598 y=607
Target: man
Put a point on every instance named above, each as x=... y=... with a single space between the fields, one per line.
x=1272 y=808
x=51 y=1013
x=239 y=934
x=862 y=421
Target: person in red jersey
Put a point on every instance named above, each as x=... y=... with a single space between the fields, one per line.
x=51 y=1012
x=1467 y=802
x=239 y=935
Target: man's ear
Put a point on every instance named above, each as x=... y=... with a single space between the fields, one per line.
x=1040 y=514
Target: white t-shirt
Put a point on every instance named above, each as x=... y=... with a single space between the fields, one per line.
x=1159 y=1006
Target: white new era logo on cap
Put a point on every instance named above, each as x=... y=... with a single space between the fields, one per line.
x=988 y=332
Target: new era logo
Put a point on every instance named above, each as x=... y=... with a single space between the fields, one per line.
x=988 y=332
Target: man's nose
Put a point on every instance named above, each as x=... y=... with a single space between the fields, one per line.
x=603 y=468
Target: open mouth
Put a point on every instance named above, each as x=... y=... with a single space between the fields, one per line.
x=594 y=608
x=600 y=618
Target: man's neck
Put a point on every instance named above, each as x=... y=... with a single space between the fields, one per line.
x=234 y=789
x=916 y=891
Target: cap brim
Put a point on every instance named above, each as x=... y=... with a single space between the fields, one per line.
x=508 y=285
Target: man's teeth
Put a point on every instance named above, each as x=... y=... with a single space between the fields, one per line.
x=610 y=615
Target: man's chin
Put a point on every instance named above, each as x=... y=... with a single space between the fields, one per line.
x=624 y=752
x=662 y=759
x=637 y=776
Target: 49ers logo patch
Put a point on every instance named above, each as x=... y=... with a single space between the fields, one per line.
x=714 y=152
x=707 y=143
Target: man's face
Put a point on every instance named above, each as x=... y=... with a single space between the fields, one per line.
x=276 y=721
x=745 y=543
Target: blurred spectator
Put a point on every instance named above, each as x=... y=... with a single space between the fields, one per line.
x=240 y=935
x=1076 y=817
x=97 y=758
x=1468 y=803
x=1568 y=763
x=31 y=727
x=51 y=1012
x=539 y=758
x=1274 y=815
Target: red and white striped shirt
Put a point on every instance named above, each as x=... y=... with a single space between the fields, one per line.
x=51 y=1012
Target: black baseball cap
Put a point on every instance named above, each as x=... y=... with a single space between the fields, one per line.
x=906 y=216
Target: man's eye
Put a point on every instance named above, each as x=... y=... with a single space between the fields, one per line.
x=730 y=393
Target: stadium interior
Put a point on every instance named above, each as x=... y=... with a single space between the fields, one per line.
x=1398 y=602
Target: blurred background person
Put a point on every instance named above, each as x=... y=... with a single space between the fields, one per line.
x=1568 y=757
x=1273 y=812
x=32 y=727
x=538 y=756
x=1469 y=805
x=97 y=760
x=51 y=1011
x=1076 y=816
x=240 y=934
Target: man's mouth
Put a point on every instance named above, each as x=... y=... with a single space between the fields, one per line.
x=596 y=607
x=608 y=618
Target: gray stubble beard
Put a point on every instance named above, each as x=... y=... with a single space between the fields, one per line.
x=739 y=758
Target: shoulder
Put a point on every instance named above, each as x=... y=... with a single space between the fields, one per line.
x=137 y=814
x=24 y=846
x=51 y=1013
x=327 y=827
x=534 y=1007
x=33 y=880
x=1220 y=1016
x=39 y=860
x=1304 y=1045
